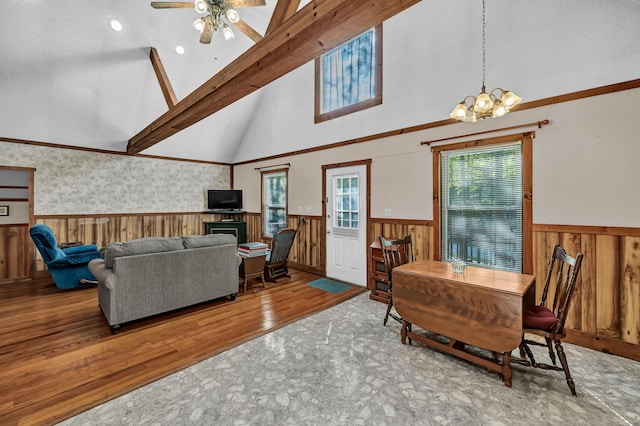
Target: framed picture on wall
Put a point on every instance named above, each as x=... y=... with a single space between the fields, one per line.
x=4 y=210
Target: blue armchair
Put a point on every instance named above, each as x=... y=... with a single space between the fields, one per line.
x=68 y=267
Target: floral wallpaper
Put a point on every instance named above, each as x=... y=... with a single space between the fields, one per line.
x=69 y=181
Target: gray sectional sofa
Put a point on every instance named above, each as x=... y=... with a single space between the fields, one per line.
x=150 y=276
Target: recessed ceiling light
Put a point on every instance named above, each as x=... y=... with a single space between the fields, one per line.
x=115 y=24
x=179 y=49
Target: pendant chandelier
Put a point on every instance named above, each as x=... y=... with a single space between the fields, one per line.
x=485 y=104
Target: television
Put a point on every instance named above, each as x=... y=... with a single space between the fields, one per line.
x=224 y=199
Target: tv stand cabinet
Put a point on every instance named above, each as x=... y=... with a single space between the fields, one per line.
x=239 y=229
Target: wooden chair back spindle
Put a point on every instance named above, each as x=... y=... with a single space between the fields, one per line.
x=549 y=323
x=395 y=253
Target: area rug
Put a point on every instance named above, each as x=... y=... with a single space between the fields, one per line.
x=331 y=286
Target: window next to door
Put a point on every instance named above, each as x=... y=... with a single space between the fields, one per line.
x=274 y=201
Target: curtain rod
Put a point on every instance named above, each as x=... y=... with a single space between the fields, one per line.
x=275 y=165
x=535 y=123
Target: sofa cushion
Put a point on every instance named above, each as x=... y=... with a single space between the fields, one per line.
x=140 y=246
x=197 y=241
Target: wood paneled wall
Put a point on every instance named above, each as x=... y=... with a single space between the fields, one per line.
x=420 y=231
x=308 y=245
x=306 y=252
x=254 y=226
x=102 y=230
x=607 y=299
x=605 y=314
x=14 y=262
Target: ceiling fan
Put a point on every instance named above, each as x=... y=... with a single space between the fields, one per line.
x=216 y=13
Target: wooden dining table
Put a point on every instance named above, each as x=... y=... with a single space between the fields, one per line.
x=461 y=313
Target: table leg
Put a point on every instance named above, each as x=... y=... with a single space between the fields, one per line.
x=506 y=368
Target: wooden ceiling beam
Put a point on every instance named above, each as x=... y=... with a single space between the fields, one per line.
x=163 y=78
x=318 y=27
x=284 y=10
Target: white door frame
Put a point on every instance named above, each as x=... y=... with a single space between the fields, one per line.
x=366 y=217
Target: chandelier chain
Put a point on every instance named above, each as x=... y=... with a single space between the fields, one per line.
x=484 y=42
x=485 y=104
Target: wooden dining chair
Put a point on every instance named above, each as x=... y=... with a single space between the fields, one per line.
x=548 y=322
x=395 y=253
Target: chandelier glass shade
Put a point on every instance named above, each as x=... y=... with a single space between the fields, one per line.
x=485 y=104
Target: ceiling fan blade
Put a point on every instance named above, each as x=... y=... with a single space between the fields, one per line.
x=207 y=31
x=248 y=30
x=237 y=4
x=172 y=4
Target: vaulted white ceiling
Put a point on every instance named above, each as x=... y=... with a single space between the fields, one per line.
x=67 y=78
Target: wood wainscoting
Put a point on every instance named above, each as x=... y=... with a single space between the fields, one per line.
x=14 y=252
x=421 y=232
x=306 y=253
x=605 y=316
x=103 y=230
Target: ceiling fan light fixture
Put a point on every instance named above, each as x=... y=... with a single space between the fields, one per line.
x=201 y=6
x=215 y=15
x=227 y=32
x=232 y=16
x=198 y=24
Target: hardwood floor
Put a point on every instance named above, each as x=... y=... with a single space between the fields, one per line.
x=59 y=358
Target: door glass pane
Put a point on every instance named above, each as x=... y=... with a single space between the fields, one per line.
x=346 y=203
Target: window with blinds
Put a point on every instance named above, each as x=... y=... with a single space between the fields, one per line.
x=481 y=206
x=274 y=202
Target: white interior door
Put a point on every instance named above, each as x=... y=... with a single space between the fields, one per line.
x=346 y=210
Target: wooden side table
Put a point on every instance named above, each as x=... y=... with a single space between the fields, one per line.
x=252 y=267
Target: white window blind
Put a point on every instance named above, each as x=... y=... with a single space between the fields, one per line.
x=274 y=209
x=481 y=206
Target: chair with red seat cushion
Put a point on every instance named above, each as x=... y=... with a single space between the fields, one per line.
x=549 y=322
